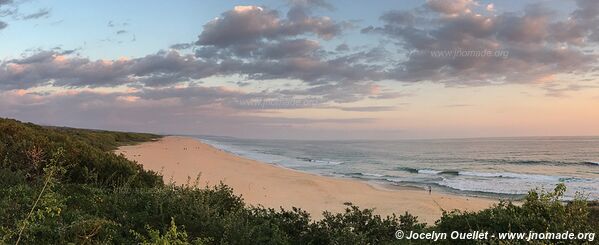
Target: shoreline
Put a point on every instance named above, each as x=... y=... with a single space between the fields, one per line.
x=180 y=158
x=381 y=185
x=373 y=184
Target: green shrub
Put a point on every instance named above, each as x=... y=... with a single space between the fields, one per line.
x=89 y=195
x=540 y=212
x=27 y=148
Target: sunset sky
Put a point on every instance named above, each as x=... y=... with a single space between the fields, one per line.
x=304 y=69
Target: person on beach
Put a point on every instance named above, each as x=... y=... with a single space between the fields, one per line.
x=429 y=190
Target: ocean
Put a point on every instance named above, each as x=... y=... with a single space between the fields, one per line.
x=493 y=167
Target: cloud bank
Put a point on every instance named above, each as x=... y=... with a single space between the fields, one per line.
x=461 y=42
x=454 y=43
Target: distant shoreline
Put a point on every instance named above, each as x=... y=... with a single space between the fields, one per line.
x=183 y=158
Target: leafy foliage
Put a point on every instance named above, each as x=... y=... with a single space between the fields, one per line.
x=60 y=186
x=540 y=212
x=27 y=148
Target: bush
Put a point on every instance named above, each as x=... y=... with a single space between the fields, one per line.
x=61 y=186
x=540 y=212
x=27 y=148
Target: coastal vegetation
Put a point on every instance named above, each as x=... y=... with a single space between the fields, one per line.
x=66 y=186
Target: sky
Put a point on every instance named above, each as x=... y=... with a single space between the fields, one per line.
x=304 y=69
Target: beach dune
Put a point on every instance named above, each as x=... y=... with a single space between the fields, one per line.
x=181 y=158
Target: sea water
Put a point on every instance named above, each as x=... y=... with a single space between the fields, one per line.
x=504 y=167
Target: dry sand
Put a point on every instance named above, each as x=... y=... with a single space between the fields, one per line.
x=179 y=158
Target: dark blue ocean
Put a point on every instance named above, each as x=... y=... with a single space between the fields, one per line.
x=496 y=167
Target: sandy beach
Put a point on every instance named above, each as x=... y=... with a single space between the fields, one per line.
x=179 y=158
